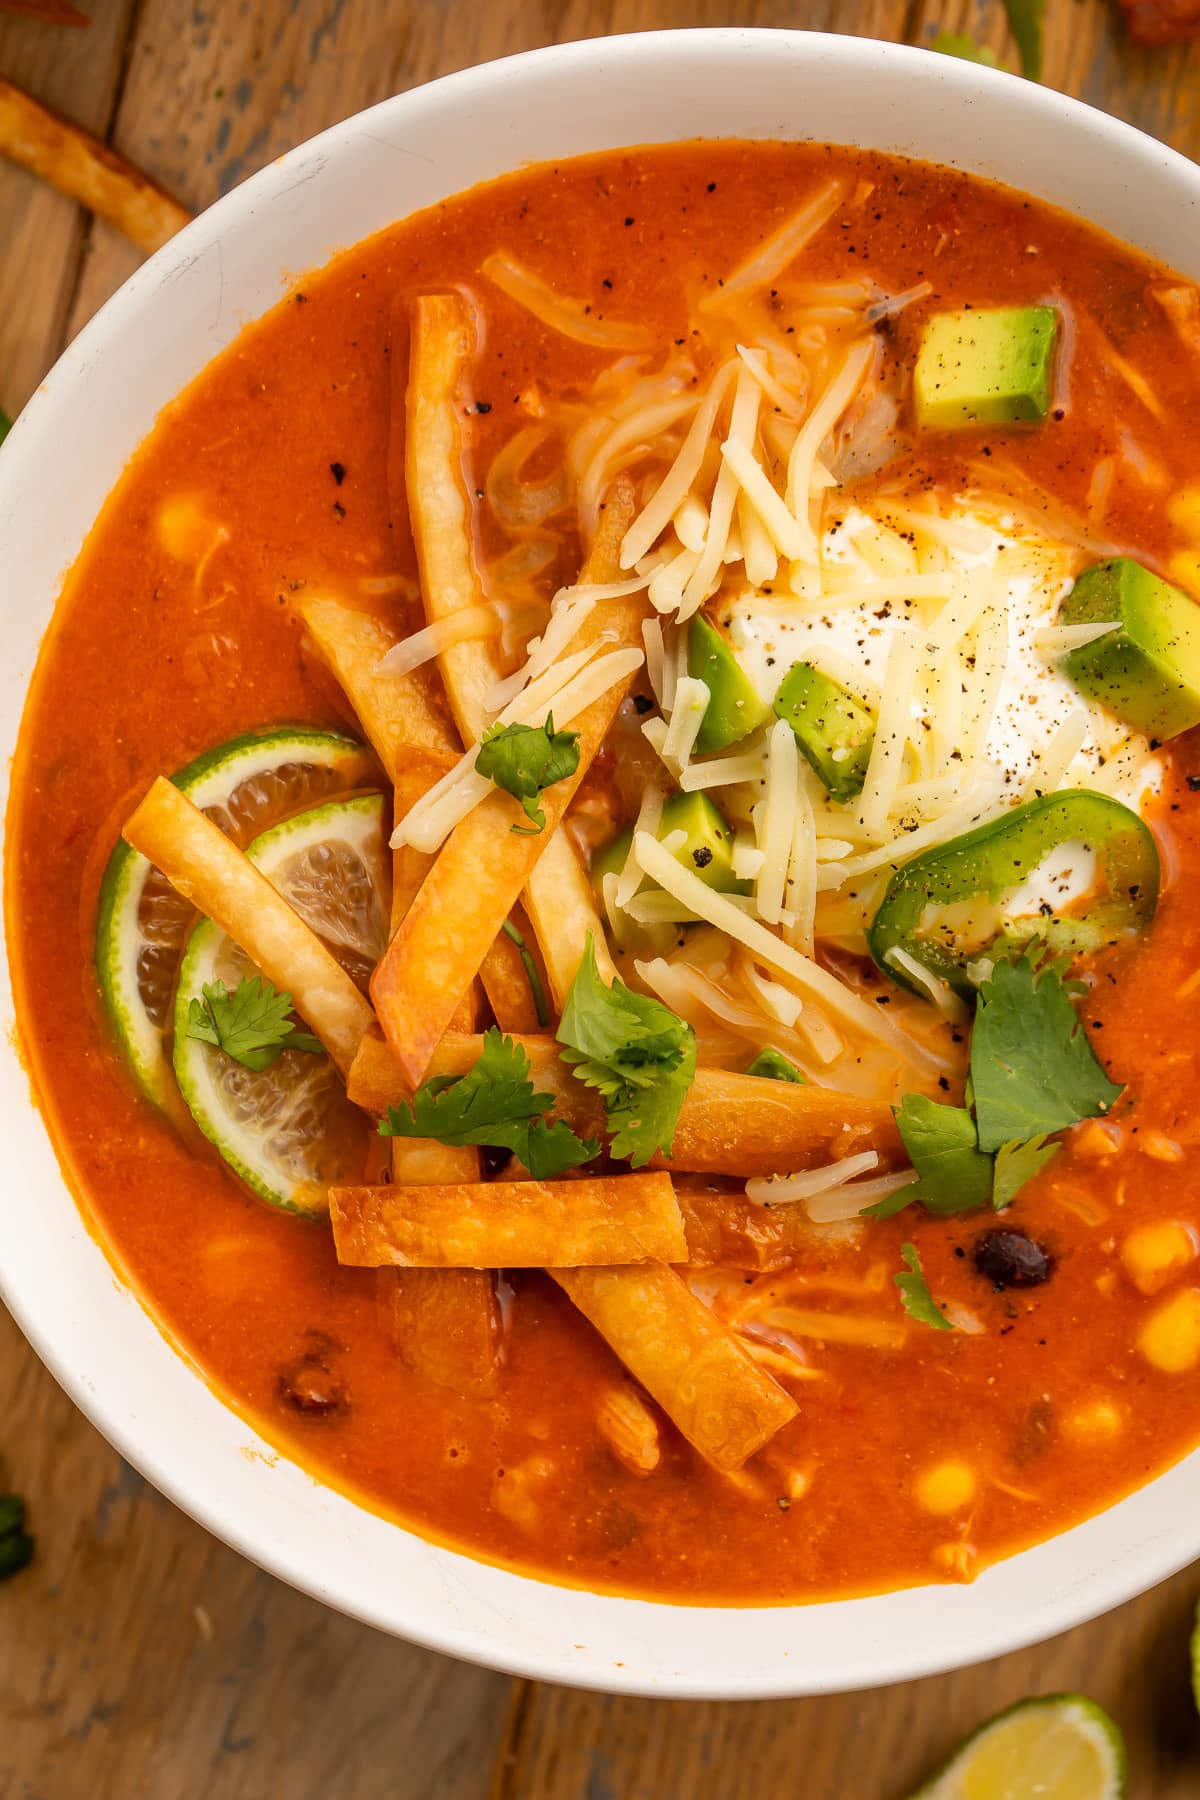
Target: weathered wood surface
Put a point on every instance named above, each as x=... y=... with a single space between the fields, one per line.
x=139 y=1657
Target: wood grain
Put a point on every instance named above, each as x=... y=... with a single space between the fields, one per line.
x=138 y=1656
x=78 y=73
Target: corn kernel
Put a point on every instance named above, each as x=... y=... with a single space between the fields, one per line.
x=1184 y=567
x=1154 y=1254
x=946 y=1488
x=1183 y=510
x=1096 y=1422
x=1170 y=1338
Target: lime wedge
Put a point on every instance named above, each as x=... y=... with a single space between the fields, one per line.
x=143 y=924
x=289 y=1131
x=1058 y=1747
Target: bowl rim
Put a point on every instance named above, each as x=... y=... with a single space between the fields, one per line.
x=1110 y=1583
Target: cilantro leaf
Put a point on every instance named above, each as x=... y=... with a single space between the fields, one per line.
x=1017 y=1163
x=524 y=759
x=942 y=1147
x=772 y=1065
x=252 y=1024
x=1033 y=1070
x=1027 y=22
x=957 y=43
x=915 y=1296
x=635 y=1052
x=494 y=1103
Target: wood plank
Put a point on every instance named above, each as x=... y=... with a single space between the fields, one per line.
x=78 y=73
x=140 y=1656
x=562 y=1745
x=212 y=96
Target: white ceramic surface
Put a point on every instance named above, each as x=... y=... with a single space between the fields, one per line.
x=55 y=470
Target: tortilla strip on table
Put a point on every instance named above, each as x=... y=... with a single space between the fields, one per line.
x=590 y=1220
x=210 y=871
x=684 y=1357
x=478 y=874
x=559 y=900
x=729 y=1124
x=83 y=168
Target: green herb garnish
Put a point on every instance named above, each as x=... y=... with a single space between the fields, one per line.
x=1033 y=1069
x=532 y=973
x=636 y=1052
x=493 y=1104
x=252 y=1024
x=953 y=1175
x=1017 y=1163
x=16 y=1545
x=772 y=1065
x=1033 y=1072
x=915 y=1296
x=1027 y=22
x=525 y=759
x=957 y=43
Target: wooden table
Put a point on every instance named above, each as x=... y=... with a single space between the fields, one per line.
x=138 y=1657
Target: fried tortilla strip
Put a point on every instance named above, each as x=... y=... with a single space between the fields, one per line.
x=589 y=1221
x=446 y=1327
x=481 y=869
x=684 y=1357
x=559 y=901
x=400 y=714
x=445 y=1322
x=200 y=863
x=729 y=1124
x=727 y=1231
x=404 y=719
x=80 y=166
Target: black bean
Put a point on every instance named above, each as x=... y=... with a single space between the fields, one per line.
x=1010 y=1258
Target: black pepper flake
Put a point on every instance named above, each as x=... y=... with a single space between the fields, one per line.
x=1193 y=782
x=702 y=856
x=607 y=283
x=338 y=471
x=481 y=406
x=628 y=223
x=642 y=704
x=339 y=509
x=712 y=187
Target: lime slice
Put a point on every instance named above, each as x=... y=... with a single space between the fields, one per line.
x=1058 y=1747
x=243 y=787
x=289 y=1131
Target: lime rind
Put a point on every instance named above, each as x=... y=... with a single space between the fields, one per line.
x=209 y=782
x=1073 y=1716
x=272 y=1128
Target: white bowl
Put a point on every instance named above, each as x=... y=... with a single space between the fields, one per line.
x=62 y=458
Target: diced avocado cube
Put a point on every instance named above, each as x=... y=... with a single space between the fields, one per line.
x=707 y=850
x=772 y=1065
x=988 y=366
x=833 y=731
x=735 y=708
x=1147 y=671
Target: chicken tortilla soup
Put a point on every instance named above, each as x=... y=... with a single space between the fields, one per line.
x=603 y=866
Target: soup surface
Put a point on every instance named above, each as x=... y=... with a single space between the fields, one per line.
x=1008 y=1385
